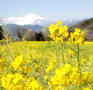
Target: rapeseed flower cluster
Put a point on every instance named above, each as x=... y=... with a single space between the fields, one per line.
x=68 y=75
x=77 y=37
x=12 y=81
x=18 y=60
x=36 y=68
x=58 y=32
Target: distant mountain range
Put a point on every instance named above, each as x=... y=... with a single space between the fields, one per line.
x=12 y=27
x=36 y=23
x=38 y=27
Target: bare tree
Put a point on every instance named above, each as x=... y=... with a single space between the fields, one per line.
x=20 y=33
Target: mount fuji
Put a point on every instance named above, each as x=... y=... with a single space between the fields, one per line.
x=32 y=21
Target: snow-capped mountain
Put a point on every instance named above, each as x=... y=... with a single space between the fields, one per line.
x=34 y=19
x=31 y=19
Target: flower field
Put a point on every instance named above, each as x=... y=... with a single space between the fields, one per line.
x=66 y=63
x=39 y=66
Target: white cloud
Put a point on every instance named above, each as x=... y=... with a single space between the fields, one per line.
x=31 y=18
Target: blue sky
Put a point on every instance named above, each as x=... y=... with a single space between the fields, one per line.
x=49 y=9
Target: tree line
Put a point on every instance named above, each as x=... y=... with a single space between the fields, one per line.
x=20 y=34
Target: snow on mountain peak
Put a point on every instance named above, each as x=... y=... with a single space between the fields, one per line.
x=30 y=18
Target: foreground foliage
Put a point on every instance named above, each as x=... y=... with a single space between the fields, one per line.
x=39 y=66
x=54 y=65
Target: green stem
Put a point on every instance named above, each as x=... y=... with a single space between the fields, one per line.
x=63 y=53
x=78 y=49
x=56 y=53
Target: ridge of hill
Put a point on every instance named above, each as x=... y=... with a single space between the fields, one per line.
x=87 y=25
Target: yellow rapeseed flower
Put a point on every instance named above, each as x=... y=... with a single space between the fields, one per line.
x=17 y=61
x=86 y=88
x=59 y=23
x=77 y=37
x=46 y=77
x=58 y=32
